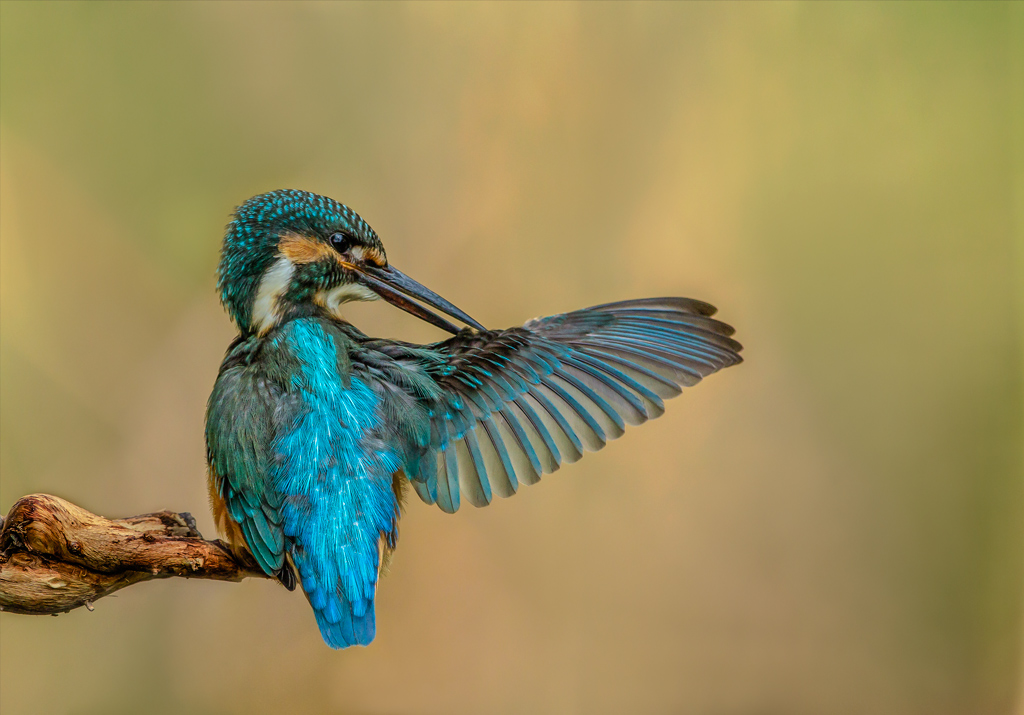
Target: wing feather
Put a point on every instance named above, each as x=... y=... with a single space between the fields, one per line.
x=515 y=404
x=238 y=436
x=497 y=460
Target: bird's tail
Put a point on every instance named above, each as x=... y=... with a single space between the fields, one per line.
x=343 y=621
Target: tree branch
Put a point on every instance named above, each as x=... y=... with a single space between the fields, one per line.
x=55 y=556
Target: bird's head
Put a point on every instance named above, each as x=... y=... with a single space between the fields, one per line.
x=293 y=252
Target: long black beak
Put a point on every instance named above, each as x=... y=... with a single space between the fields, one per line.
x=389 y=283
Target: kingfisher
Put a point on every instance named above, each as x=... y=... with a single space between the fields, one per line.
x=315 y=430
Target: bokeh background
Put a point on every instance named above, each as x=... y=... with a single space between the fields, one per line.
x=833 y=527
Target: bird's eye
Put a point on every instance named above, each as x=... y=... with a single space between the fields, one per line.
x=341 y=242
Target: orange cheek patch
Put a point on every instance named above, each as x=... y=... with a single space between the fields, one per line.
x=372 y=255
x=302 y=249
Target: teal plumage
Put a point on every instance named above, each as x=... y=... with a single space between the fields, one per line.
x=314 y=428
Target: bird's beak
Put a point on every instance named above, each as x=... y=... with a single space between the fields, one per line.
x=390 y=283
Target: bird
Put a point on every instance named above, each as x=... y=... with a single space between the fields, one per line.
x=315 y=431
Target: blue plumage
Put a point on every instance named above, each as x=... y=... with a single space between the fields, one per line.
x=335 y=479
x=314 y=429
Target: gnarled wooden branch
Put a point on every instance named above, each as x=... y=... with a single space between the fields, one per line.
x=55 y=556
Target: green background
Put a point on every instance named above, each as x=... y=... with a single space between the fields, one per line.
x=833 y=527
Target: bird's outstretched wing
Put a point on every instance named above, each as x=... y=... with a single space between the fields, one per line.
x=517 y=403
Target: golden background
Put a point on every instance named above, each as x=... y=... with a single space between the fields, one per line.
x=833 y=527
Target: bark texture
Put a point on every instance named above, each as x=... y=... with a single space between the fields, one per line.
x=55 y=556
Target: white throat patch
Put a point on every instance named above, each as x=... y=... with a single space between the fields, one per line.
x=332 y=300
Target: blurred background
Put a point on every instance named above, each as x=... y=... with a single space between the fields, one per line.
x=833 y=527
